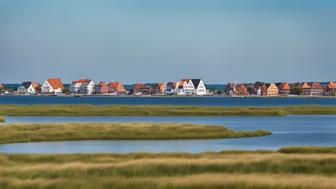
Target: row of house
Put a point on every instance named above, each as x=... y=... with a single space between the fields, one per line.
x=88 y=87
x=281 y=89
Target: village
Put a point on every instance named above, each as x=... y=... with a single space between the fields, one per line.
x=184 y=87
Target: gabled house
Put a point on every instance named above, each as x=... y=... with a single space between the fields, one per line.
x=316 y=89
x=159 y=88
x=272 y=90
x=199 y=87
x=182 y=87
x=117 y=88
x=53 y=86
x=171 y=88
x=22 y=89
x=263 y=90
x=284 y=89
x=2 y=86
x=82 y=86
x=142 y=89
x=230 y=89
x=331 y=89
x=101 y=88
x=241 y=90
x=306 y=89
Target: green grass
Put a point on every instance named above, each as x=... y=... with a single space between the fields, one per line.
x=308 y=150
x=2 y=119
x=234 y=169
x=34 y=132
x=159 y=110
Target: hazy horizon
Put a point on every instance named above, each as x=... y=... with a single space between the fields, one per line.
x=153 y=41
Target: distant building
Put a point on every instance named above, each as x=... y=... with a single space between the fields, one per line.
x=53 y=86
x=2 y=86
x=316 y=89
x=284 y=89
x=171 y=88
x=183 y=87
x=331 y=89
x=142 y=89
x=230 y=89
x=272 y=90
x=82 y=86
x=29 y=87
x=159 y=88
x=117 y=88
x=241 y=90
x=306 y=89
x=101 y=88
x=199 y=87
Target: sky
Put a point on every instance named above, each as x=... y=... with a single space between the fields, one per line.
x=159 y=41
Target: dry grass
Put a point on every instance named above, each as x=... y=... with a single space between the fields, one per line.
x=250 y=170
x=34 y=132
x=2 y=119
x=158 y=110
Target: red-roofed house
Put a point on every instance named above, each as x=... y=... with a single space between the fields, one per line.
x=142 y=89
x=53 y=85
x=331 y=89
x=284 y=89
x=306 y=89
x=241 y=90
x=316 y=89
x=101 y=88
x=159 y=88
x=117 y=88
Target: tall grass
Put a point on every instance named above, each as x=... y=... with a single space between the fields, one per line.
x=250 y=170
x=33 y=132
x=308 y=150
x=159 y=110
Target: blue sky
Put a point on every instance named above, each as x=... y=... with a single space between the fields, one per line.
x=153 y=40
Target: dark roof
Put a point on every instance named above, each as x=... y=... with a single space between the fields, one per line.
x=196 y=82
x=25 y=84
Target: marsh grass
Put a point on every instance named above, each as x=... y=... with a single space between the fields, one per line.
x=2 y=119
x=235 y=169
x=35 y=132
x=308 y=150
x=159 y=110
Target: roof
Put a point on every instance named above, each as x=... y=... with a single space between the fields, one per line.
x=316 y=85
x=83 y=81
x=25 y=84
x=118 y=86
x=284 y=86
x=55 y=83
x=2 y=86
x=331 y=85
x=305 y=86
x=196 y=82
x=181 y=83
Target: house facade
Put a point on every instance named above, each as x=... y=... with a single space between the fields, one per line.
x=306 y=89
x=52 y=86
x=101 y=88
x=316 y=89
x=199 y=87
x=241 y=90
x=171 y=88
x=272 y=90
x=284 y=89
x=142 y=89
x=159 y=88
x=82 y=86
x=117 y=88
x=331 y=89
x=182 y=87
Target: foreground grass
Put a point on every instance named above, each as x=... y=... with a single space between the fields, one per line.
x=159 y=110
x=2 y=119
x=234 y=170
x=34 y=132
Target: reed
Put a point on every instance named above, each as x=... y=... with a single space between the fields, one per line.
x=248 y=170
x=159 y=110
x=35 y=132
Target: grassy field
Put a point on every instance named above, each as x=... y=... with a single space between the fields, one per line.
x=158 y=110
x=2 y=119
x=34 y=132
x=232 y=170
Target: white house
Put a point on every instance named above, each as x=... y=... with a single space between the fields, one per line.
x=191 y=87
x=182 y=87
x=199 y=87
x=82 y=86
x=52 y=86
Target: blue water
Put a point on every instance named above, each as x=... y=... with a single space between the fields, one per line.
x=293 y=130
x=201 y=101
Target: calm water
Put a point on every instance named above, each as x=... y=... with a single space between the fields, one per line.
x=201 y=101
x=287 y=131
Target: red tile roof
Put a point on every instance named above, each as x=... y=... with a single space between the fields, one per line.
x=331 y=85
x=284 y=86
x=118 y=86
x=316 y=85
x=56 y=83
x=2 y=86
x=305 y=86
